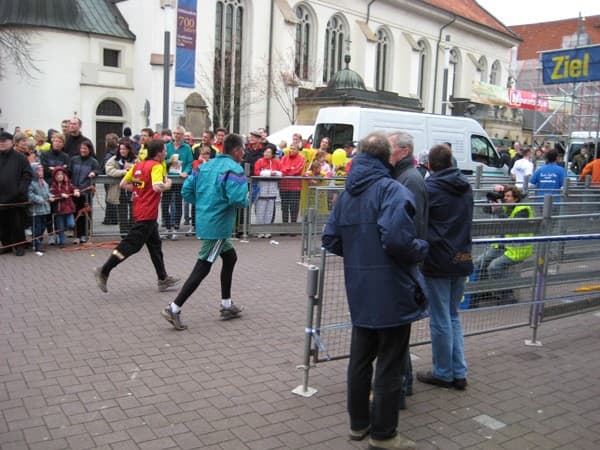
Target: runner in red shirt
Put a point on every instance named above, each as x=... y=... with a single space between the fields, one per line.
x=147 y=180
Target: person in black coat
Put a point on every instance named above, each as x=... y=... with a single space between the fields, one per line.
x=83 y=169
x=403 y=162
x=15 y=176
x=372 y=227
x=74 y=139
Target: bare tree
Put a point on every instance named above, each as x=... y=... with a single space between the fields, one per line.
x=15 y=49
x=284 y=89
x=285 y=82
x=251 y=92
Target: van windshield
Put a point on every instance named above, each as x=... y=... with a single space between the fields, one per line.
x=338 y=134
x=483 y=152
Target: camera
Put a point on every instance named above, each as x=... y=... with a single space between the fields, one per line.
x=494 y=197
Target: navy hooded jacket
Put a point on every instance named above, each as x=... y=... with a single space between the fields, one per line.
x=450 y=221
x=372 y=227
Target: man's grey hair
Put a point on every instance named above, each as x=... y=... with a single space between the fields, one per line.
x=402 y=139
x=376 y=144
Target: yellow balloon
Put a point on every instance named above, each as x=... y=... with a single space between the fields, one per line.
x=339 y=157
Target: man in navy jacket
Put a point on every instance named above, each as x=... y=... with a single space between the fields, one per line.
x=372 y=227
x=446 y=267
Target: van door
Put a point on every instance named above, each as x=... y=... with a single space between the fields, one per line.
x=338 y=134
x=483 y=153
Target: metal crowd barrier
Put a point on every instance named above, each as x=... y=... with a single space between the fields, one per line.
x=559 y=278
x=308 y=208
x=264 y=217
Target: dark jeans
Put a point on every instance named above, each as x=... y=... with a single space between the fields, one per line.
x=125 y=214
x=390 y=347
x=39 y=225
x=290 y=204
x=110 y=214
x=12 y=227
x=172 y=207
x=144 y=233
x=84 y=220
x=408 y=377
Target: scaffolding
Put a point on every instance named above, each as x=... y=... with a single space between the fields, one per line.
x=575 y=106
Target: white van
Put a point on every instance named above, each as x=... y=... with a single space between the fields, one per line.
x=471 y=146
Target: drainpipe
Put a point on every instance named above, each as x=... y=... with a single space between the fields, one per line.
x=437 y=57
x=369 y=10
x=269 y=71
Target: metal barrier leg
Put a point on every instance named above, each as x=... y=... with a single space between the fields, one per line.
x=537 y=306
x=311 y=288
x=540 y=278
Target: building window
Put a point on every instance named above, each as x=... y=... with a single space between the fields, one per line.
x=109 y=108
x=381 y=63
x=495 y=73
x=229 y=35
x=482 y=67
x=111 y=57
x=303 y=35
x=335 y=35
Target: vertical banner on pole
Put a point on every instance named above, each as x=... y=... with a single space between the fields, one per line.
x=185 y=56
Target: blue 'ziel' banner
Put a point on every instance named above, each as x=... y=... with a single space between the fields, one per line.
x=571 y=66
x=185 y=56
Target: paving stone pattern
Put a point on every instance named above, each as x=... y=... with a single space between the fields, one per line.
x=80 y=369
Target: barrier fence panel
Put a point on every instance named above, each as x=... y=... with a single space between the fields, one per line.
x=505 y=301
x=556 y=274
x=313 y=192
x=292 y=203
x=112 y=214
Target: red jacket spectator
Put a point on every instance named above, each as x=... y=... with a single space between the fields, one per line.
x=292 y=165
x=266 y=164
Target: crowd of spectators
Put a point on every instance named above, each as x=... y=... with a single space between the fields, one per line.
x=283 y=173
x=61 y=200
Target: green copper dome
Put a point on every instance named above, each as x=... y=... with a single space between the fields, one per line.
x=347 y=78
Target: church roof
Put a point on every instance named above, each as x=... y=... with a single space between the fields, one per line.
x=86 y=16
x=472 y=11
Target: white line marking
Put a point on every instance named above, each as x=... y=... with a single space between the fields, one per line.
x=489 y=422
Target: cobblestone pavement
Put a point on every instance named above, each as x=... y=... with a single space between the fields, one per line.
x=82 y=369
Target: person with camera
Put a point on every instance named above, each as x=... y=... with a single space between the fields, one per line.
x=497 y=259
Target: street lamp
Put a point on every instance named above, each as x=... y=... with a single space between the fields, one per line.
x=167 y=5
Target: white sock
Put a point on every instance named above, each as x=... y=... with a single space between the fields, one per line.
x=174 y=308
x=226 y=303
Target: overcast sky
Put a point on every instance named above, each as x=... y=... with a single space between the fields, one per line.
x=519 y=12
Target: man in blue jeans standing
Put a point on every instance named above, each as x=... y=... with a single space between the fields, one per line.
x=446 y=267
x=179 y=164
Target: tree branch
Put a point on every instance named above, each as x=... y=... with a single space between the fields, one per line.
x=15 y=49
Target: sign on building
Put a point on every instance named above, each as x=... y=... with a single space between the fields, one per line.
x=526 y=100
x=574 y=65
x=185 y=56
